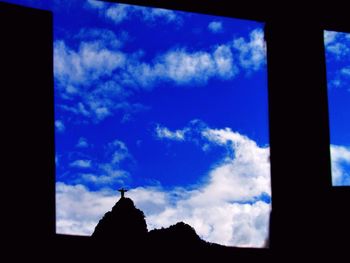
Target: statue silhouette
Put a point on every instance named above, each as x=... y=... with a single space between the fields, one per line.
x=122 y=192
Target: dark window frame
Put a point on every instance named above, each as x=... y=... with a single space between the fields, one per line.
x=308 y=214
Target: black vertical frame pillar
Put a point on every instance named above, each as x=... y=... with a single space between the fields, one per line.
x=27 y=104
x=299 y=134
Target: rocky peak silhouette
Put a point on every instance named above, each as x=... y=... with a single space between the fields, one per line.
x=180 y=234
x=122 y=232
x=177 y=240
x=124 y=224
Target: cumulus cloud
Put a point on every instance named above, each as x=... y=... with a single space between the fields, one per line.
x=337 y=45
x=345 y=71
x=338 y=49
x=117 y=13
x=101 y=78
x=340 y=156
x=78 y=209
x=119 y=151
x=223 y=58
x=82 y=143
x=252 y=52
x=111 y=176
x=192 y=132
x=104 y=37
x=86 y=76
x=104 y=175
x=226 y=209
x=91 y=75
x=329 y=37
x=91 y=62
x=154 y=14
x=182 y=67
x=81 y=164
x=340 y=78
x=59 y=125
x=109 y=170
x=165 y=133
x=96 y=4
x=215 y=26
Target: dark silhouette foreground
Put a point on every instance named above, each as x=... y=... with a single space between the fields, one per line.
x=123 y=232
x=125 y=226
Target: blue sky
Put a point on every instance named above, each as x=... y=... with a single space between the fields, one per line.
x=337 y=46
x=172 y=106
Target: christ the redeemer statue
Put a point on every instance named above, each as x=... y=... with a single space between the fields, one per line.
x=122 y=192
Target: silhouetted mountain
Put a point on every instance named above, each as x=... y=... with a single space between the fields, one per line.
x=122 y=232
x=178 y=236
x=123 y=225
x=124 y=229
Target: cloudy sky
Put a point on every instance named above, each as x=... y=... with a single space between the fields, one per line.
x=172 y=106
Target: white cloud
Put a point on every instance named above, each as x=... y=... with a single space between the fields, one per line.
x=165 y=133
x=252 y=53
x=113 y=171
x=341 y=78
x=329 y=37
x=60 y=127
x=197 y=67
x=216 y=209
x=338 y=49
x=225 y=209
x=102 y=78
x=119 y=151
x=78 y=210
x=93 y=76
x=153 y=14
x=118 y=13
x=345 y=71
x=340 y=156
x=82 y=109
x=87 y=75
x=81 y=164
x=107 y=171
x=191 y=132
x=91 y=62
x=337 y=44
x=96 y=4
x=224 y=62
x=103 y=36
x=215 y=26
x=106 y=175
x=182 y=67
x=112 y=177
x=82 y=143
x=70 y=89
x=248 y=168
